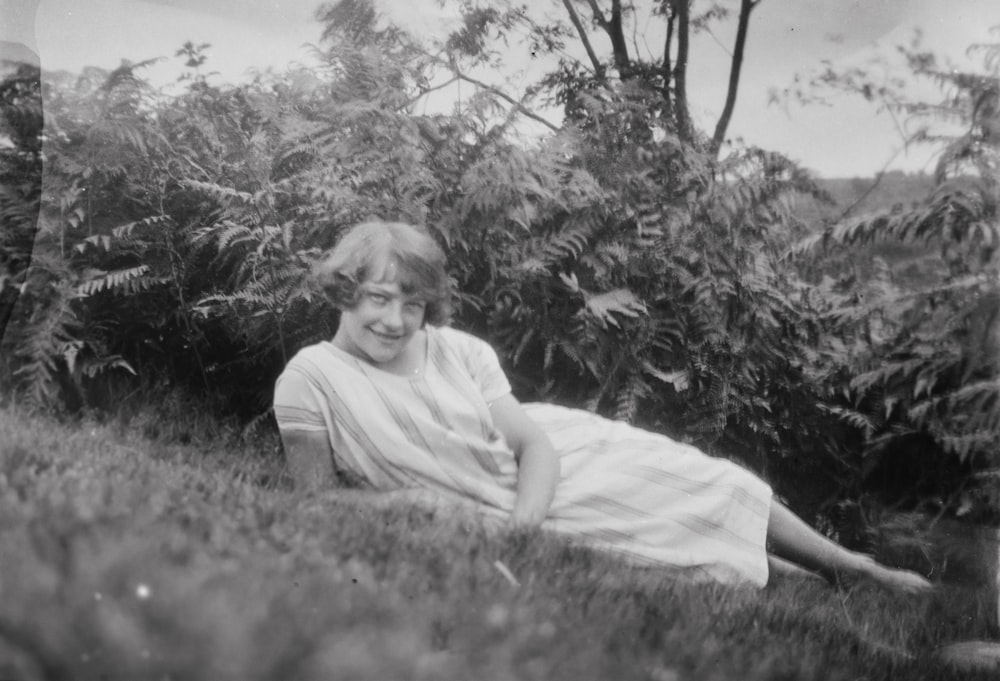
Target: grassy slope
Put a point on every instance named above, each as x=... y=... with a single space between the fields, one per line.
x=128 y=557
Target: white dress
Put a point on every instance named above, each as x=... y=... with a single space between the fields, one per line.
x=646 y=497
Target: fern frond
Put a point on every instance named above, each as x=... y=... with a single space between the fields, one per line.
x=127 y=281
x=572 y=353
x=979 y=401
x=908 y=371
x=44 y=342
x=226 y=234
x=102 y=242
x=95 y=366
x=127 y=230
x=627 y=399
x=968 y=445
x=678 y=379
x=711 y=411
x=273 y=292
x=222 y=194
x=852 y=417
x=605 y=307
x=266 y=416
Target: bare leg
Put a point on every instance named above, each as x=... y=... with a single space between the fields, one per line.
x=791 y=538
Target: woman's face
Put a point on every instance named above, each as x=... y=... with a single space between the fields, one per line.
x=382 y=323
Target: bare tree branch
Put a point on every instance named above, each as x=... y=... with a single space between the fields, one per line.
x=746 y=7
x=518 y=106
x=582 y=31
x=613 y=27
x=598 y=14
x=667 y=47
x=428 y=90
x=451 y=64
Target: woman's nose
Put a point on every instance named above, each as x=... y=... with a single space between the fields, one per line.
x=393 y=317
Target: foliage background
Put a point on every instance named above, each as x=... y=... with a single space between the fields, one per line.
x=619 y=264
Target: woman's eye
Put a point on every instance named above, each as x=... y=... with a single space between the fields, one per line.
x=378 y=298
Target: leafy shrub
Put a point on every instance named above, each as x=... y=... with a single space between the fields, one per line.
x=917 y=371
x=20 y=177
x=617 y=264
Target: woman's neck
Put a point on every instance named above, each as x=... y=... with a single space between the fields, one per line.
x=409 y=363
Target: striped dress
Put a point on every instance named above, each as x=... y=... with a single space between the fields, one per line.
x=652 y=500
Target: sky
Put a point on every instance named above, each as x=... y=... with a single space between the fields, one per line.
x=786 y=37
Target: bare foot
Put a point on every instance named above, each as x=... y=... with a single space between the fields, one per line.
x=905 y=581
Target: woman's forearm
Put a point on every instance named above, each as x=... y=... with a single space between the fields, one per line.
x=537 y=461
x=537 y=476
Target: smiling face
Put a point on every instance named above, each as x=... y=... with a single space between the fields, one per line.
x=379 y=327
x=387 y=279
x=387 y=253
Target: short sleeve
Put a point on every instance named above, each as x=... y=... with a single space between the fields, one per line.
x=296 y=403
x=481 y=361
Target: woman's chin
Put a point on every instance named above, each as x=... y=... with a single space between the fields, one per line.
x=379 y=354
x=382 y=360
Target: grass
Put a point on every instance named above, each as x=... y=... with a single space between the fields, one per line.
x=127 y=555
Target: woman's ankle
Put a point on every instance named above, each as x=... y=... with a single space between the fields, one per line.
x=862 y=567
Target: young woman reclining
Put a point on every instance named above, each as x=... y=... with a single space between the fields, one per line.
x=403 y=402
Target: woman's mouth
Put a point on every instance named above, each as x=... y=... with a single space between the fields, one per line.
x=386 y=337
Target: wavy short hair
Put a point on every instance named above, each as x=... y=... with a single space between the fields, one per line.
x=388 y=251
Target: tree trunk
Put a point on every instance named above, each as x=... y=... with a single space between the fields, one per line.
x=668 y=45
x=614 y=29
x=746 y=7
x=620 y=48
x=682 y=115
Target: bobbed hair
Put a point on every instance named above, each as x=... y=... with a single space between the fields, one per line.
x=387 y=252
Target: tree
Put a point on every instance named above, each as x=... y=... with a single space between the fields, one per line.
x=614 y=24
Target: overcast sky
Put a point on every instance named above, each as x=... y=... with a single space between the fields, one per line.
x=787 y=36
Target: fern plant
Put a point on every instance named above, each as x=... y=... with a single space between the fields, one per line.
x=20 y=177
x=635 y=276
x=921 y=380
x=615 y=266
x=118 y=217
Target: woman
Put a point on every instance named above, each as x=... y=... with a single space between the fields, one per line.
x=402 y=402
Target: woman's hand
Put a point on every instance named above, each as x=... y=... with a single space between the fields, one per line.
x=537 y=462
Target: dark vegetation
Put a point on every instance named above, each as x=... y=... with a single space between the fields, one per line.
x=619 y=264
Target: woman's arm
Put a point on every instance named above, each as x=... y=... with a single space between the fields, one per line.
x=310 y=459
x=537 y=461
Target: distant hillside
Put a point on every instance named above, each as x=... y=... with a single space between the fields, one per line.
x=856 y=196
x=914 y=265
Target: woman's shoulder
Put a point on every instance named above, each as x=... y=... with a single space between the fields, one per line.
x=455 y=337
x=318 y=365
x=310 y=353
x=470 y=347
x=311 y=358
